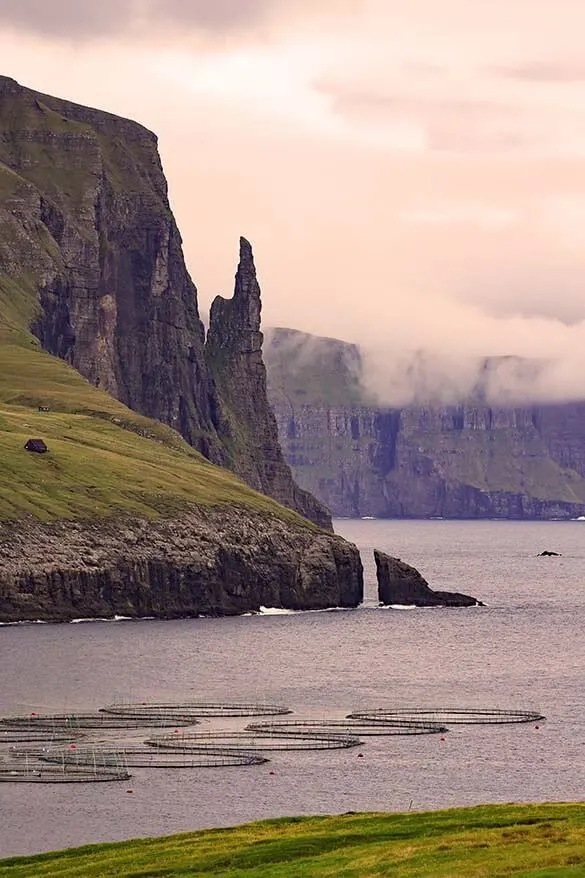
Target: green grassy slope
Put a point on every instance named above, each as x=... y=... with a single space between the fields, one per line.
x=486 y=841
x=103 y=458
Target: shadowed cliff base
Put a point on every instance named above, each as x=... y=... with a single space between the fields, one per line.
x=401 y=584
x=208 y=561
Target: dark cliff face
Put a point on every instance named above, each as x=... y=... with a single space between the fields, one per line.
x=465 y=461
x=117 y=302
x=208 y=561
x=86 y=225
x=233 y=352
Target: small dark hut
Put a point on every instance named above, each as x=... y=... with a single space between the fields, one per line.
x=36 y=445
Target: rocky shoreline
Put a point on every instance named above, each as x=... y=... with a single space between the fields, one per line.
x=211 y=561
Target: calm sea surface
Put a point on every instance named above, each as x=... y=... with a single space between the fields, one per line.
x=526 y=649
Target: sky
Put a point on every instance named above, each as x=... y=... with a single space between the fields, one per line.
x=411 y=173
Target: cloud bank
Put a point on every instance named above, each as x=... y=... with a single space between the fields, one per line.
x=412 y=174
x=89 y=20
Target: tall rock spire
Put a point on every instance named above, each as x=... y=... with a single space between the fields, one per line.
x=247 y=289
x=247 y=424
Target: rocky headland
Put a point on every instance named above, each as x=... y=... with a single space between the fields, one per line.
x=164 y=491
x=401 y=584
x=216 y=561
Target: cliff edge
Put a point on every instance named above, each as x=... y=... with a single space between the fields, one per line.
x=113 y=511
x=206 y=561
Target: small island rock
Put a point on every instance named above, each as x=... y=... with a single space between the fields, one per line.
x=399 y=583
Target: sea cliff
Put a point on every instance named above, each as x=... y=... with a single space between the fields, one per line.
x=216 y=561
x=151 y=498
x=470 y=460
x=91 y=260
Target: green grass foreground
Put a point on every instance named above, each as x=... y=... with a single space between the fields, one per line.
x=489 y=840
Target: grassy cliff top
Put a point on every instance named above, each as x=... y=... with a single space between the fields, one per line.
x=493 y=840
x=103 y=458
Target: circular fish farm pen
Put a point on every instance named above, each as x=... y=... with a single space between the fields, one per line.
x=362 y=728
x=95 y=721
x=249 y=742
x=189 y=712
x=447 y=716
x=36 y=736
x=148 y=757
x=33 y=771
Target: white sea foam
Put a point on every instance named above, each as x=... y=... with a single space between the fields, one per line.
x=277 y=611
x=281 y=611
x=105 y=619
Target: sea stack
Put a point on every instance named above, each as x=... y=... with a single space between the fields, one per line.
x=246 y=422
x=399 y=583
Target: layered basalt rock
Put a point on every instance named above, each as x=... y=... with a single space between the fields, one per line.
x=208 y=562
x=470 y=460
x=403 y=585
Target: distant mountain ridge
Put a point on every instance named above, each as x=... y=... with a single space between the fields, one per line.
x=470 y=460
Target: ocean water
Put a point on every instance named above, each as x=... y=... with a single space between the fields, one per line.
x=524 y=650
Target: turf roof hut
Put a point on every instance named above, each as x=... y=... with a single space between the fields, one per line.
x=36 y=445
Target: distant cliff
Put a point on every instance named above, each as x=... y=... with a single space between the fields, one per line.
x=464 y=461
x=91 y=260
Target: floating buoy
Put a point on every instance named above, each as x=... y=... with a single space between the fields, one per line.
x=270 y=772
x=73 y=746
x=360 y=755
x=129 y=791
x=536 y=727
x=442 y=739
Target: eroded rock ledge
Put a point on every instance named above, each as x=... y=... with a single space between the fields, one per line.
x=399 y=583
x=208 y=562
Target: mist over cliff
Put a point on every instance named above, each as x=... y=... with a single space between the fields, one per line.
x=449 y=450
x=392 y=374
x=426 y=377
